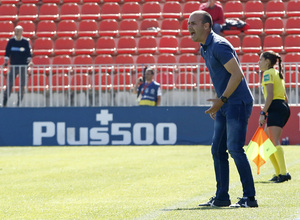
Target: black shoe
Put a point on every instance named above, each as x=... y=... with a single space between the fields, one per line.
x=215 y=202
x=245 y=203
x=283 y=178
x=274 y=178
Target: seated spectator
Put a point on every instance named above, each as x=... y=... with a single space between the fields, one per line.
x=215 y=9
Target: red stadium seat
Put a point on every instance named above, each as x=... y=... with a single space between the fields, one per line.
x=80 y=82
x=249 y=61
x=274 y=25
x=253 y=79
x=28 y=12
x=37 y=83
x=292 y=43
x=64 y=46
x=41 y=64
x=189 y=7
x=46 y=29
x=149 y=27
x=71 y=1
x=170 y=26
x=205 y=81
x=28 y=28
x=128 y=27
x=83 y=64
x=144 y=60
x=51 y=1
x=105 y=45
x=6 y=29
x=251 y=44
x=292 y=25
x=235 y=41
x=255 y=26
x=168 y=44
x=3 y=43
x=122 y=82
x=49 y=12
x=254 y=9
x=43 y=46
x=166 y=80
x=69 y=11
x=124 y=63
x=102 y=82
x=104 y=64
x=61 y=64
x=233 y=9
x=110 y=10
x=108 y=27
x=84 y=45
x=186 y=80
x=8 y=12
x=126 y=45
x=166 y=62
x=30 y=1
x=131 y=10
x=147 y=44
x=187 y=45
x=10 y=1
x=87 y=28
x=293 y=8
x=151 y=10
x=184 y=27
x=90 y=11
x=60 y=82
x=66 y=28
x=290 y=61
x=274 y=43
x=290 y=79
x=188 y=62
x=275 y=8
x=171 y=10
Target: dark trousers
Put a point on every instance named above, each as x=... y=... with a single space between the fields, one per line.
x=15 y=70
x=229 y=137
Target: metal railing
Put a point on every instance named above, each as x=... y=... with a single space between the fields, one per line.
x=107 y=85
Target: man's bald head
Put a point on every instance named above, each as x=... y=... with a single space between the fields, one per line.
x=204 y=16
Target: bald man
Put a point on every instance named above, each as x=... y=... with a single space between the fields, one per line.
x=18 y=51
x=230 y=110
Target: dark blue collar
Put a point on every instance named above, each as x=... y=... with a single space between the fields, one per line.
x=208 y=40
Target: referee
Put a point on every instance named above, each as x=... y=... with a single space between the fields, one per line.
x=18 y=52
x=276 y=111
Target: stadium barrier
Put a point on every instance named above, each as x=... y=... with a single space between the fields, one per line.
x=187 y=84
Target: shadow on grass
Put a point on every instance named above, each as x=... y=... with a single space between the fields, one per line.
x=264 y=182
x=195 y=208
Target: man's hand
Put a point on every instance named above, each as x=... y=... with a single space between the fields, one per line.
x=217 y=104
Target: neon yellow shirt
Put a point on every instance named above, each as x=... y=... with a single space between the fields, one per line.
x=271 y=76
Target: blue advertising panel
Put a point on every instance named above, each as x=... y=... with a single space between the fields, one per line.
x=105 y=126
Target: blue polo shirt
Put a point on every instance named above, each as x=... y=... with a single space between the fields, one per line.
x=216 y=52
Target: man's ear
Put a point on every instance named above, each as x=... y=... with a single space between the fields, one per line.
x=206 y=26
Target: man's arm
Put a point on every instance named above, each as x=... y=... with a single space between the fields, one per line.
x=236 y=77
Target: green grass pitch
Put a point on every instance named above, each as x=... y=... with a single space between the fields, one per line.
x=127 y=182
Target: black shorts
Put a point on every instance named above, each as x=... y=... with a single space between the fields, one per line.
x=278 y=113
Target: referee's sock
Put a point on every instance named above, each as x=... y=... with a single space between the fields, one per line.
x=279 y=154
x=275 y=164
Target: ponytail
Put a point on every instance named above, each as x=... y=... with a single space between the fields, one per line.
x=280 y=67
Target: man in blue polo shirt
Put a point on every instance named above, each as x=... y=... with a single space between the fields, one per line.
x=230 y=110
x=18 y=52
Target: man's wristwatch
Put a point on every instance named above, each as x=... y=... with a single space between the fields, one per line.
x=224 y=99
x=262 y=113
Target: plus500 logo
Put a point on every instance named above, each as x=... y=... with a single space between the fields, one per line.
x=120 y=134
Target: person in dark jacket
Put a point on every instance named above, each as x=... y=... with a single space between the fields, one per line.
x=18 y=52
